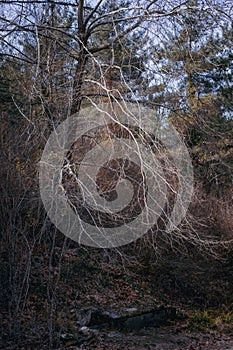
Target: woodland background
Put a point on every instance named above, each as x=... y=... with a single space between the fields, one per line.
x=58 y=56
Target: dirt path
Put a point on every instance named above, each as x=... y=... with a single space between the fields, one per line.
x=166 y=338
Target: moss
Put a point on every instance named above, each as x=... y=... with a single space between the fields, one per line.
x=213 y=319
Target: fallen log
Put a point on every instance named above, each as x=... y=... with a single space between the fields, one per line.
x=130 y=320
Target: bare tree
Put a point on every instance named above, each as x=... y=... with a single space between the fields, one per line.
x=60 y=56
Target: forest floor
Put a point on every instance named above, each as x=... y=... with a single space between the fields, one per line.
x=173 y=337
x=165 y=338
x=199 y=289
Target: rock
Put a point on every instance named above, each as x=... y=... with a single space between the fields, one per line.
x=88 y=331
x=151 y=318
x=84 y=330
x=69 y=339
x=84 y=316
x=84 y=336
x=67 y=336
x=131 y=319
x=131 y=310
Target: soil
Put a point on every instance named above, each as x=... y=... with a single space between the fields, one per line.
x=201 y=293
x=163 y=338
x=167 y=338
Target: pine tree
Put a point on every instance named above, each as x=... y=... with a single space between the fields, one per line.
x=196 y=62
x=119 y=68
